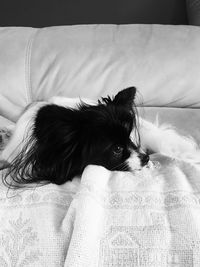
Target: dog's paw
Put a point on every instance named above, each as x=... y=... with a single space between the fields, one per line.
x=5 y=135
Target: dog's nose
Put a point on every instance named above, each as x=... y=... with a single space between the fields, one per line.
x=144 y=159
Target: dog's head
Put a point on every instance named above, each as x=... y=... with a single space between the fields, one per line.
x=109 y=134
x=65 y=141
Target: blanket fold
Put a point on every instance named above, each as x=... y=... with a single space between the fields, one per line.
x=149 y=218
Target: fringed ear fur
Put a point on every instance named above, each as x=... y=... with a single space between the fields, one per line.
x=48 y=154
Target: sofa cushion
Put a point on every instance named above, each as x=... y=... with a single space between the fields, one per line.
x=90 y=61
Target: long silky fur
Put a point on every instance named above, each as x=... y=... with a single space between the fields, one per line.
x=21 y=168
x=26 y=168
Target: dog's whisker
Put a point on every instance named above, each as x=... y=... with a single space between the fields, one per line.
x=119 y=167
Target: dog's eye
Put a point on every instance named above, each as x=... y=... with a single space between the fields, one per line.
x=117 y=150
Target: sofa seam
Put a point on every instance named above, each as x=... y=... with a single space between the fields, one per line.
x=29 y=94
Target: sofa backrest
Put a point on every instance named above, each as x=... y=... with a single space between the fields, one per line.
x=91 y=61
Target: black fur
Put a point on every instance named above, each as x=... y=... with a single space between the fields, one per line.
x=64 y=140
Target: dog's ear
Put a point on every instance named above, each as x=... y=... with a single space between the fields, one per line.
x=51 y=122
x=57 y=134
x=49 y=153
x=126 y=98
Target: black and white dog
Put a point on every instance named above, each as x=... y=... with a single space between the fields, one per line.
x=54 y=141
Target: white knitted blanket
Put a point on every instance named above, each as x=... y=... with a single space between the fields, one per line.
x=148 y=219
